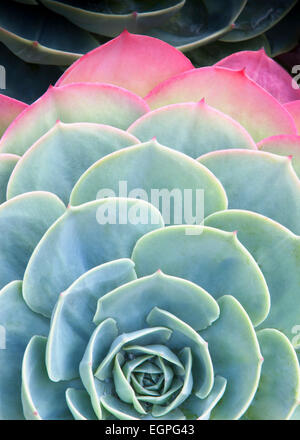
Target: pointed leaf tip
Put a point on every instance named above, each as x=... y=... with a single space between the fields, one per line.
x=135 y=62
x=264 y=71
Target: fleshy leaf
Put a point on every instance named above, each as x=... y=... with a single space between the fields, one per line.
x=162 y=351
x=217 y=50
x=111 y=19
x=99 y=103
x=123 y=388
x=236 y=356
x=194 y=407
x=73 y=316
x=135 y=62
x=99 y=344
x=159 y=290
x=198 y=23
x=238 y=96
x=133 y=364
x=36 y=385
x=277 y=252
x=185 y=391
x=146 y=336
x=79 y=404
x=163 y=398
x=140 y=167
x=265 y=72
x=17 y=325
x=123 y=411
x=262 y=170
x=119 y=409
x=185 y=336
x=83 y=238
x=293 y=108
x=7 y=164
x=192 y=128
x=257 y=17
x=66 y=150
x=39 y=41
x=23 y=222
x=284 y=36
x=284 y=145
x=279 y=386
x=213 y=259
x=9 y=109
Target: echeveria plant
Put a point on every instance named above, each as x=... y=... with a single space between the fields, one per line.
x=151 y=316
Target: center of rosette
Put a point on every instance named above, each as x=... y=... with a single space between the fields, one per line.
x=152 y=378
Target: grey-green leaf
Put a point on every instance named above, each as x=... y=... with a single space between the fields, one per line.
x=83 y=238
x=211 y=258
x=23 y=222
x=17 y=325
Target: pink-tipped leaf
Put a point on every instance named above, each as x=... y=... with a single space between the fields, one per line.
x=284 y=145
x=265 y=72
x=79 y=102
x=293 y=108
x=9 y=110
x=135 y=62
x=233 y=93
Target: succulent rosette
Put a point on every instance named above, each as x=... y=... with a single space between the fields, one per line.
x=152 y=315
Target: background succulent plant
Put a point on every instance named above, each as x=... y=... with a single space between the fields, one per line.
x=41 y=37
x=140 y=319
